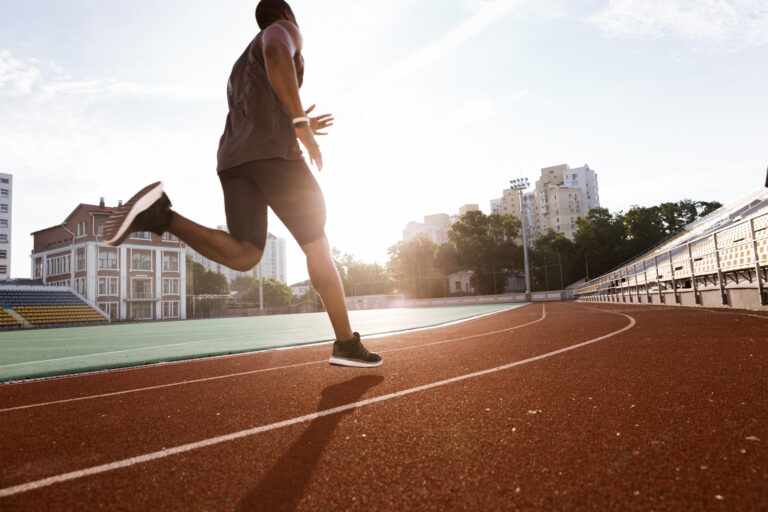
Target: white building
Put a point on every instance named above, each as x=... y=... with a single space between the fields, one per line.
x=271 y=266
x=143 y=279
x=6 y=208
x=562 y=195
x=436 y=226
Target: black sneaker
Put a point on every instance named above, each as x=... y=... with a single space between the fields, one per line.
x=148 y=210
x=353 y=353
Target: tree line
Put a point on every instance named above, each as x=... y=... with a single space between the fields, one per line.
x=490 y=248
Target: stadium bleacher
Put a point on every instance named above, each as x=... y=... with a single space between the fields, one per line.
x=41 y=306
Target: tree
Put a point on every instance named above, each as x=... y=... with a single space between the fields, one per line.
x=486 y=244
x=552 y=253
x=206 y=282
x=243 y=283
x=601 y=240
x=275 y=293
x=413 y=261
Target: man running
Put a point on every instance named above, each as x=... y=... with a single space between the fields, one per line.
x=260 y=164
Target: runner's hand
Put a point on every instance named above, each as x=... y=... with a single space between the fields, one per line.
x=320 y=122
x=304 y=134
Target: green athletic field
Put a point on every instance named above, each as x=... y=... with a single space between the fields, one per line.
x=46 y=352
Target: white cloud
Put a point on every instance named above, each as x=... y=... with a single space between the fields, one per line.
x=742 y=23
x=43 y=82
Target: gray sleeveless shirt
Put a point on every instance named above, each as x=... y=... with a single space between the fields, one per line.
x=258 y=127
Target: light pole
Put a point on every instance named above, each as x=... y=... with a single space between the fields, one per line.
x=521 y=184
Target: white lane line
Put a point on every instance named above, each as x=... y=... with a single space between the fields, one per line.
x=160 y=454
x=308 y=344
x=262 y=370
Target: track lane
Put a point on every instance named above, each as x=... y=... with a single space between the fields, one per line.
x=94 y=433
x=249 y=432
x=17 y=394
x=273 y=368
x=667 y=386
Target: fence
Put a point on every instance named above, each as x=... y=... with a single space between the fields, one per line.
x=726 y=267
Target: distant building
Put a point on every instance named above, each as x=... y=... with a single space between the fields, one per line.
x=143 y=279
x=436 y=226
x=300 y=289
x=561 y=196
x=272 y=264
x=460 y=283
x=6 y=209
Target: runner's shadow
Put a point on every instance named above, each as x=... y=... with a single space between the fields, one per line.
x=283 y=485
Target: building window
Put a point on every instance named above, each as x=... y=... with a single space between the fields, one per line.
x=80 y=285
x=82 y=228
x=3 y=254
x=142 y=235
x=3 y=180
x=3 y=239
x=141 y=260
x=100 y=227
x=3 y=208
x=4 y=192
x=110 y=308
x=108 y=286
x=171 y=309
x=3 y=269
x=80 y=262
x=170 y=286
x=168 y=237
x=107 y=259
x=141 y=310
x=58 y=265
x=3 y=223
x=170 y=262
x=38 y=268
x=142 y=288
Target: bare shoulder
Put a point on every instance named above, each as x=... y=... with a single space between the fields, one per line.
x=284 y=28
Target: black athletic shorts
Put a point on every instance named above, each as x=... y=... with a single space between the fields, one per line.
x=286 y=186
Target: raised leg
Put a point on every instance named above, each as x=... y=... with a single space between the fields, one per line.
x=216 y=245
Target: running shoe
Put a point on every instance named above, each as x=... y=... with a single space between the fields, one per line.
x=148 y=210
x=353 y=353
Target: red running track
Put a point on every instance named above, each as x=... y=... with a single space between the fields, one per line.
x=560 y=406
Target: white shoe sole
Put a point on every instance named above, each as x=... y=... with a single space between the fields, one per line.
x=144 y=202
x=342 y=361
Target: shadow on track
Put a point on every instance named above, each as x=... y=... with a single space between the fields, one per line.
x=283 y=485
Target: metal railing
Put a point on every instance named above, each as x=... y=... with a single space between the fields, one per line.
x=742 y=246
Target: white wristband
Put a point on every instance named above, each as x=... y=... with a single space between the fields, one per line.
x=297 y=120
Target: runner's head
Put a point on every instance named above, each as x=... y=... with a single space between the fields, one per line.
x=270 y=11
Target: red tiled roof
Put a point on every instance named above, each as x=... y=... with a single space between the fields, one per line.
x=94 y=208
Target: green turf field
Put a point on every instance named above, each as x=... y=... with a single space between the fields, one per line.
x=45 y=352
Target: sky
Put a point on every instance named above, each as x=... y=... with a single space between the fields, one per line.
x=437 y=104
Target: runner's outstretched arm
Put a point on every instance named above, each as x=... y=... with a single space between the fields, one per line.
x=281 y=43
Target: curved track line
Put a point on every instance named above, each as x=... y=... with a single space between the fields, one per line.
x=262 y=370
x=132 y=461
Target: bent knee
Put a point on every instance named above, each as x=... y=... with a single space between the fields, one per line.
x=247 y=258
x=321 y=244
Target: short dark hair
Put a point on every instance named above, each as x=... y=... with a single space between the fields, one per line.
x=269 y=11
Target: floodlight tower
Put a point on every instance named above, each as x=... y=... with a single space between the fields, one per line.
x=521 y=185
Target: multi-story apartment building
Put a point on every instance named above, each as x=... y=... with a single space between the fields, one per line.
x=509 y=204
x=561 y=196
x=271 y=266
x=436 y=226
x=143 y=279
x=6 y=208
